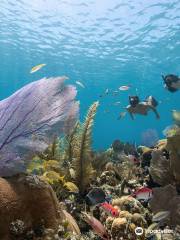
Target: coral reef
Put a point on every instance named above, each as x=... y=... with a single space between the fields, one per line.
x=118 y=228
x=49 y=167
x=118 y=148
x=70 y=156
x=27 y=203
x=70 y=191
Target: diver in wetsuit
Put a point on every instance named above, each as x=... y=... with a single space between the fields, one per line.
x=171 y=82
x=137 y=107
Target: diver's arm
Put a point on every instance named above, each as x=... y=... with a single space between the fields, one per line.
x=128 y=108
x=131 y=115
x=155 y=111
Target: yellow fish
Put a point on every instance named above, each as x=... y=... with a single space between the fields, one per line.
x=71 y=187
x=37 y=67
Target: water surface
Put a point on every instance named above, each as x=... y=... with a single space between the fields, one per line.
x=102 y=43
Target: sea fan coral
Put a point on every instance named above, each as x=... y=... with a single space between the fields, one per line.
x=30 y=118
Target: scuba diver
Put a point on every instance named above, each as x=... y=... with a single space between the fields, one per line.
x=137 y=107
x=171 y=82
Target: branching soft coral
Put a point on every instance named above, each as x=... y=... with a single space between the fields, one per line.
x=82 y=150
x=72 y=152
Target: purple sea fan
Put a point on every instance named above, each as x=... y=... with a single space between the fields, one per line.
x=149 y=138
x=31 y=117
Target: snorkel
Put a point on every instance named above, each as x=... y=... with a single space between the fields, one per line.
x=166 y=85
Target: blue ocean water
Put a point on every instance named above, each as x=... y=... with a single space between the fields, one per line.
x=104 y=44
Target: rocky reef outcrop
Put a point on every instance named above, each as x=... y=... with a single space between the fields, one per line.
x=27 y=205
x=173 y=146
x=167 y=199
x=165 y=168
x=160 y=168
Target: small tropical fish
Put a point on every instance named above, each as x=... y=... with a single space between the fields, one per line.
x=96 y=196
x=122 y=115
x=143 y=194
x=160 y=216
x=109 y=198
x=110 y=209
x=96 y=225
x=117 y=103
x=116 y=91
x=80 y=84
x=107 y=91
x=124 y=88
x=37 y=68
x=72 y=173
x=144 y=149
x=133 y=159
x=72 y=222
x=71 y=187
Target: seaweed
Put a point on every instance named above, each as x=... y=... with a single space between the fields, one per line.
x=69 y=138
